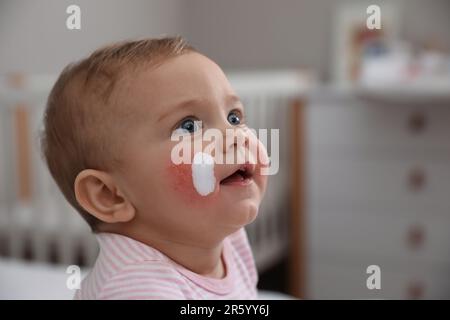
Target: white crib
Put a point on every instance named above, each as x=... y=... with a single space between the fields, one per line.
x=36 y=223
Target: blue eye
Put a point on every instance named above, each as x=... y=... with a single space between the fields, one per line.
x=189 y=126
x=233 y=118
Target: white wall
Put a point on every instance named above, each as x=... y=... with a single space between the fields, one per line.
x=294 y=33
x=235 y=33
x=262 y=33
x=34 y=37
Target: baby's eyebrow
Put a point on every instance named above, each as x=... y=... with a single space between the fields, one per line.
x=230 y=99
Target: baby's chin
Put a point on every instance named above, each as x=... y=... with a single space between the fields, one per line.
x=242 y=212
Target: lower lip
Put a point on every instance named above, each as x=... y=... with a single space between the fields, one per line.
x=240 y=183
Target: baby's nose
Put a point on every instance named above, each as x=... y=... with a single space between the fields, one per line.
x=235 y=138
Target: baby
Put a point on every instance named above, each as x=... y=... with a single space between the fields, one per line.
x=166 y=229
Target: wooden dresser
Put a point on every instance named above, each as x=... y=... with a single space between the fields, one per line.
x=377 y=192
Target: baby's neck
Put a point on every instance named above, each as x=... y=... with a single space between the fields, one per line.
x=205 y=261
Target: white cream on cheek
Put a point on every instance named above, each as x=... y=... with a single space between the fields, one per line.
x=203 y=173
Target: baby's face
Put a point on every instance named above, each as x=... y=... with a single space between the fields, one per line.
x=163 y=192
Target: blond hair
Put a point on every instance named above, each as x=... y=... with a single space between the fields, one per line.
x=81 y=110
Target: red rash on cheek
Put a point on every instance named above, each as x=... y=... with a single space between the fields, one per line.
x=180 y=177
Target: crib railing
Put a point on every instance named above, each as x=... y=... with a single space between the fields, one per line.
x=37 y=223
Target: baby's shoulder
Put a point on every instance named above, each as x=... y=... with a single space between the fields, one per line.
x=148 y=268
x=145 y=280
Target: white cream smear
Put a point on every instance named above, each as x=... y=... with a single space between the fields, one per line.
x=203 y=173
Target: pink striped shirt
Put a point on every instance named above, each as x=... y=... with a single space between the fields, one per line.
x=129 y=269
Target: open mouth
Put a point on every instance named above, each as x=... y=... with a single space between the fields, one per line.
x=242 y=176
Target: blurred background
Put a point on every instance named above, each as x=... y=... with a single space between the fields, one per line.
x=364 y=119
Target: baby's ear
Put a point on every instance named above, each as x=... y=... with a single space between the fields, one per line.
x=97 y=192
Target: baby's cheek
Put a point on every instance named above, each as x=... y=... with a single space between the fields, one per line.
x=180 y=181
